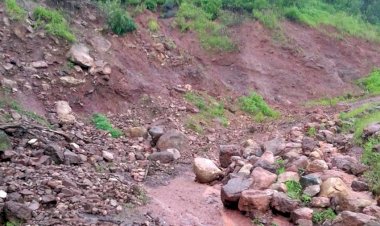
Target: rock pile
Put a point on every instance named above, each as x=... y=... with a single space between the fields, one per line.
x=297 y=176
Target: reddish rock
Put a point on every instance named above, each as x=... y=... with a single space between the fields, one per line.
x=231 y=192
x=262 y=179
x=281 y=202
x=302 y=213
x=320 y=202
x=255 y=200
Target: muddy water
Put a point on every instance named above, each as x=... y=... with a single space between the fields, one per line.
x=184 y=202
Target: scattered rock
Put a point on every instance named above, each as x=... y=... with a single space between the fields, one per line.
x=8 y=83
x=372 y=210
x=64 y=112
x=3 y=194
x=343 y=202
x=287 y=176
x=371 y=129
x=255 y=200
x=205 y=170
x=156 y=132
x=226 y=152
x=172 y=139
x=135 y=132
x=163 y=157
x=80 y=54
x=71 y=81
x=39 y=64
x=71 y=158
x=175 y=152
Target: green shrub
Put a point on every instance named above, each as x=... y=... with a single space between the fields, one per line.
x=311 y=132
x=54 y=23
x=322 y=216
x=101 y=122
x=151 y=4
x=212 y=7
x=294 y=189
x=14 y=10
x=153 y=25
x=280 y=166
x=372 y=159
x=268 y=18
x=118 y=19
x=255 y=105
x=372 y=82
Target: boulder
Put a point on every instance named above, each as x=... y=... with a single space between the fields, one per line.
x=371 y=129
x=226 y=152
x=108 y=156
x=262 y=179
x=354 y=219
x=282 y=203
x=317 y=166
x=80 y=54
x=175 y=152
x=372 y=210
x=332 y=187
x=343 y=202
x=55 y=152
x=64 y=112
x=231 y=192
x=172 y=139
x=8 y=83
x=255 y=200
x=309 y=144
x=205 y=170
x=245 y=170
x=71 y=158
x=252 y=149
x=348 y=164
x=15 y=211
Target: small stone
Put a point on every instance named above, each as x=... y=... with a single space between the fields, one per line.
x=71 y=81
x=39 y=64
x=135 y=132
x=276 y=145
x=3 y=194
x=320 y=202
x=287 y=176
x=108 y=156
x=172 y=139
x=71 y=158
x=156 y=132
x=80 y=54
x=175 y=152
x=17 y=211
x=32 y=141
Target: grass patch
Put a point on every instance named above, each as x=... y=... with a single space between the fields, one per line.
x=294 y=189
x=54 y=23
x=153 y=25
x=209 y=109
x=255 y=106
x=14 y=11
x=32 y=115
x=322 y=216
x=372 y=159
x=102 y=122
x=333 y=101
x=311 y=132
x=371 y=84
x=118 y=19
x=280 y=166
x=211 y=34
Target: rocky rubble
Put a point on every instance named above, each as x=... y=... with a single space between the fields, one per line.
x=327 y=171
